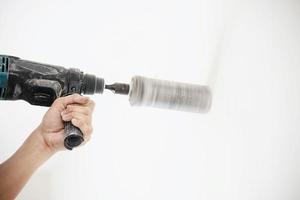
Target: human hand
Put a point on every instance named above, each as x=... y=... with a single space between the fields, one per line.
x=44 y=142
x=75 y=108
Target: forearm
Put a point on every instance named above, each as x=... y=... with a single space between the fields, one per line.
x=15 y=172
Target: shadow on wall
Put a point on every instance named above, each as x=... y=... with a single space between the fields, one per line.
x=38 y=186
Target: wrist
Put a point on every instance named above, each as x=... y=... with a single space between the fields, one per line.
x=34 y=152
x=37 y=140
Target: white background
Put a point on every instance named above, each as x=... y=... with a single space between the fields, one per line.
x=247 y=147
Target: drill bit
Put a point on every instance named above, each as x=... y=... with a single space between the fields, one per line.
x=169 y=95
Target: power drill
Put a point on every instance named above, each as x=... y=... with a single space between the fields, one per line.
x=40 y=84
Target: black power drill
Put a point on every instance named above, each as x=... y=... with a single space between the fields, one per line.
x=40 y=84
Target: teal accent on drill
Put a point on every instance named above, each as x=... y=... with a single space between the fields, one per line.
x=3 y=79
x=4 y=62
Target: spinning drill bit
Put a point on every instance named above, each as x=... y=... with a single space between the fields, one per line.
x=172 y=95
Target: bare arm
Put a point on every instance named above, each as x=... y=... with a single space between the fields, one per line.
x=44 y=142
x=16 y=171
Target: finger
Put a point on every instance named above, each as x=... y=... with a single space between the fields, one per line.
x=90 y=104
x=77 y=115
x=85 y=128
x=87 y=108
x=71 y=99
x=77 y=108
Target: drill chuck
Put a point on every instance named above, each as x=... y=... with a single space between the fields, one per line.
x=92 y=84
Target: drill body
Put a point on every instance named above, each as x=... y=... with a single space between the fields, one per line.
x=40 y=84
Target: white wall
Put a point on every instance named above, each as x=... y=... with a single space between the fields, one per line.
x=247 y=147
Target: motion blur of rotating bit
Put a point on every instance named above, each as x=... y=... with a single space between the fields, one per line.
x=164 y=94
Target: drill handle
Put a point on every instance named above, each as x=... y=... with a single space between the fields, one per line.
x=73 y=136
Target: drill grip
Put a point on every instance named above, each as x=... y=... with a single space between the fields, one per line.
x=73 y=136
